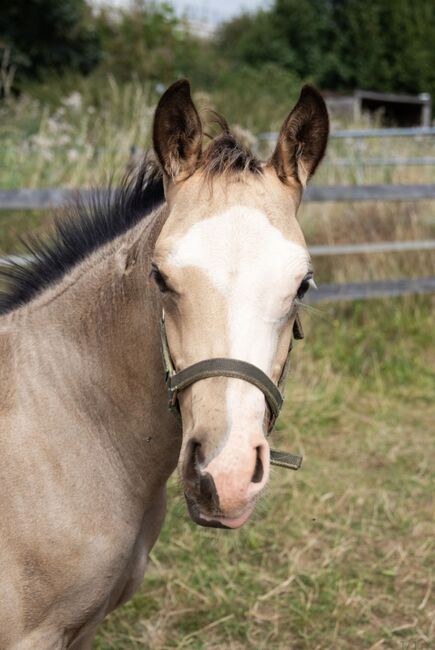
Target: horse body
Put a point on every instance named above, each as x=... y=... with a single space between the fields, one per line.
x=86 y=439
x=85 y=431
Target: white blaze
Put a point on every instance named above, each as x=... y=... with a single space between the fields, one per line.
x=258 y=271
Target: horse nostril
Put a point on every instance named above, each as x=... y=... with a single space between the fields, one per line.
x=207 y=490
x=257 y=476
x=193 y=457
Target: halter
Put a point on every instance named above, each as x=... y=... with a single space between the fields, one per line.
x=234 y=368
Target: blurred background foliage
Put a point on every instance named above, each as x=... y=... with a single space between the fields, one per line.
x=382 y=45
x=337 y=44
x=47 y=36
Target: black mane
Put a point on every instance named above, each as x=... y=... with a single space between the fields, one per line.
x=101 y=215
x=90 y=222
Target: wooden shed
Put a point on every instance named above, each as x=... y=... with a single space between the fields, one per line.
x=394 y=109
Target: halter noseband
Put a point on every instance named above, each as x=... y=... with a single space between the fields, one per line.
x=234 y=368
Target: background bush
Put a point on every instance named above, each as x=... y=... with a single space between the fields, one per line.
x=44 y=36
x=337 y=44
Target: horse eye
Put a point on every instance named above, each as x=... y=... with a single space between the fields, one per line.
x=159 y=279
x=305 y=285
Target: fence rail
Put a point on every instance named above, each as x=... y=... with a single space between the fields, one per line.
x=42 y=199
x=367 y=290
x=349 y=193
x=423 y=161
x=37 y=199
x=315 y=251
x=373 y=247
x=355 y=134
x=400 y=132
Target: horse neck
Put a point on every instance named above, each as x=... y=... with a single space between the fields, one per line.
x=92 y=344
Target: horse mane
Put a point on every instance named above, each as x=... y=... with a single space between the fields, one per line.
x=101 y=215
x=88 y=223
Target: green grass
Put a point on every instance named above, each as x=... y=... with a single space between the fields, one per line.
x=340 y=554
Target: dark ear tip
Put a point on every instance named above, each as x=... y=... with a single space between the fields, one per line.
x=311 y=93
x=181 y=86
x=309 y=89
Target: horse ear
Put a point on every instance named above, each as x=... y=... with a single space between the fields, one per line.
x=303 y=138
x=177 y=132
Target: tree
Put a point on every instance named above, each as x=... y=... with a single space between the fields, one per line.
x=48 y=36
x=254 y=39
x=384 y=45
x=341 y=44
x=147 y=41
x=305 y=26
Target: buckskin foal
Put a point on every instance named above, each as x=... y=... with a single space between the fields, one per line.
x=87 y=442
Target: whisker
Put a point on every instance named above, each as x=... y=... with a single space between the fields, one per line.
x=313 y=310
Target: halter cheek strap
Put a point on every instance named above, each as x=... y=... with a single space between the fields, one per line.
x=238 y=369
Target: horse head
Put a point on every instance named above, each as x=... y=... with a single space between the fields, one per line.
x=230 y=264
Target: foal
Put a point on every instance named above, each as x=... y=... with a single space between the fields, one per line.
x=86 y=439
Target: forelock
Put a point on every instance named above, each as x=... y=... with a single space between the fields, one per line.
x=225 y=155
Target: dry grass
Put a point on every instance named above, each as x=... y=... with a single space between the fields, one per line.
x=340 y=223
x=339 y=555
x=372 y=151
x=74 y=145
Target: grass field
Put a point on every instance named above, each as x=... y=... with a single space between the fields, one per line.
x=339 y=555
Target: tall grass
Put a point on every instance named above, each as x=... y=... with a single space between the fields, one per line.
x=90 y=132
x=340 y=555
x=75 y=144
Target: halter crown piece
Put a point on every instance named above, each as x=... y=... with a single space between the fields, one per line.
x=235 y=368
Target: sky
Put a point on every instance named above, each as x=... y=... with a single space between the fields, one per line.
x=218 y=10
x=212 y=11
